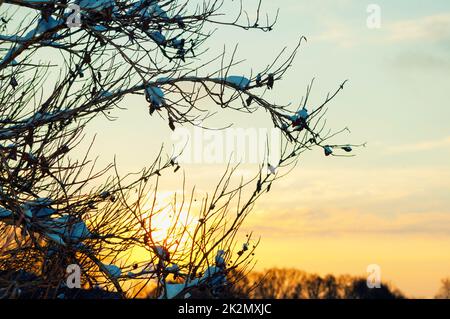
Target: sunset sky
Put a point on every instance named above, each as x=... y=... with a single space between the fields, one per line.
x=390 y=204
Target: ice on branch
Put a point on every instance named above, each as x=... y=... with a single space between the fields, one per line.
x=238 y=81
x=161 y=252
x=8 y=55
x=213 y=276
x=4 y=213
x=272 y=169
x=155 y=96
x=104 y=94
x=220 y=259
x=96 y=5
x=173 y=269
x=39 y=208
x=173 y=290
x=301 y=114
x=69 y=230
x=148 y=10
x=45 y=25
x=56 y=238
x=113 y=270
x=328 y=150
x=347 y=148
x=158 y=37
x=299 y=119
x=39 y=1
x=178 y=43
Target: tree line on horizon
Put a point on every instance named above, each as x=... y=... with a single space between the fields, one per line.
x=290 y=283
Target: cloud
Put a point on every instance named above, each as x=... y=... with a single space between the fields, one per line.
x=430 y=36
x=421 y=146
x=339 y=33
x=381 y=201
x=346 y=33
x=338 y=222
x=433 y=28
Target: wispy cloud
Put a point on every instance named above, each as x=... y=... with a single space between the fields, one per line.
x=340 y=33
x=359 y=202
x=346 y=33
x=421 y=146
x=433 y=28
x=338 y=222
x=420 y=43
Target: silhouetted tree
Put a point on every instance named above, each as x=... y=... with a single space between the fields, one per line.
x=295 y=284
x=360 y=290
x=57 y=208
x=444 y=291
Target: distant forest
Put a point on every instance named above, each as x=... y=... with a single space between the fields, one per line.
x=296 y=284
